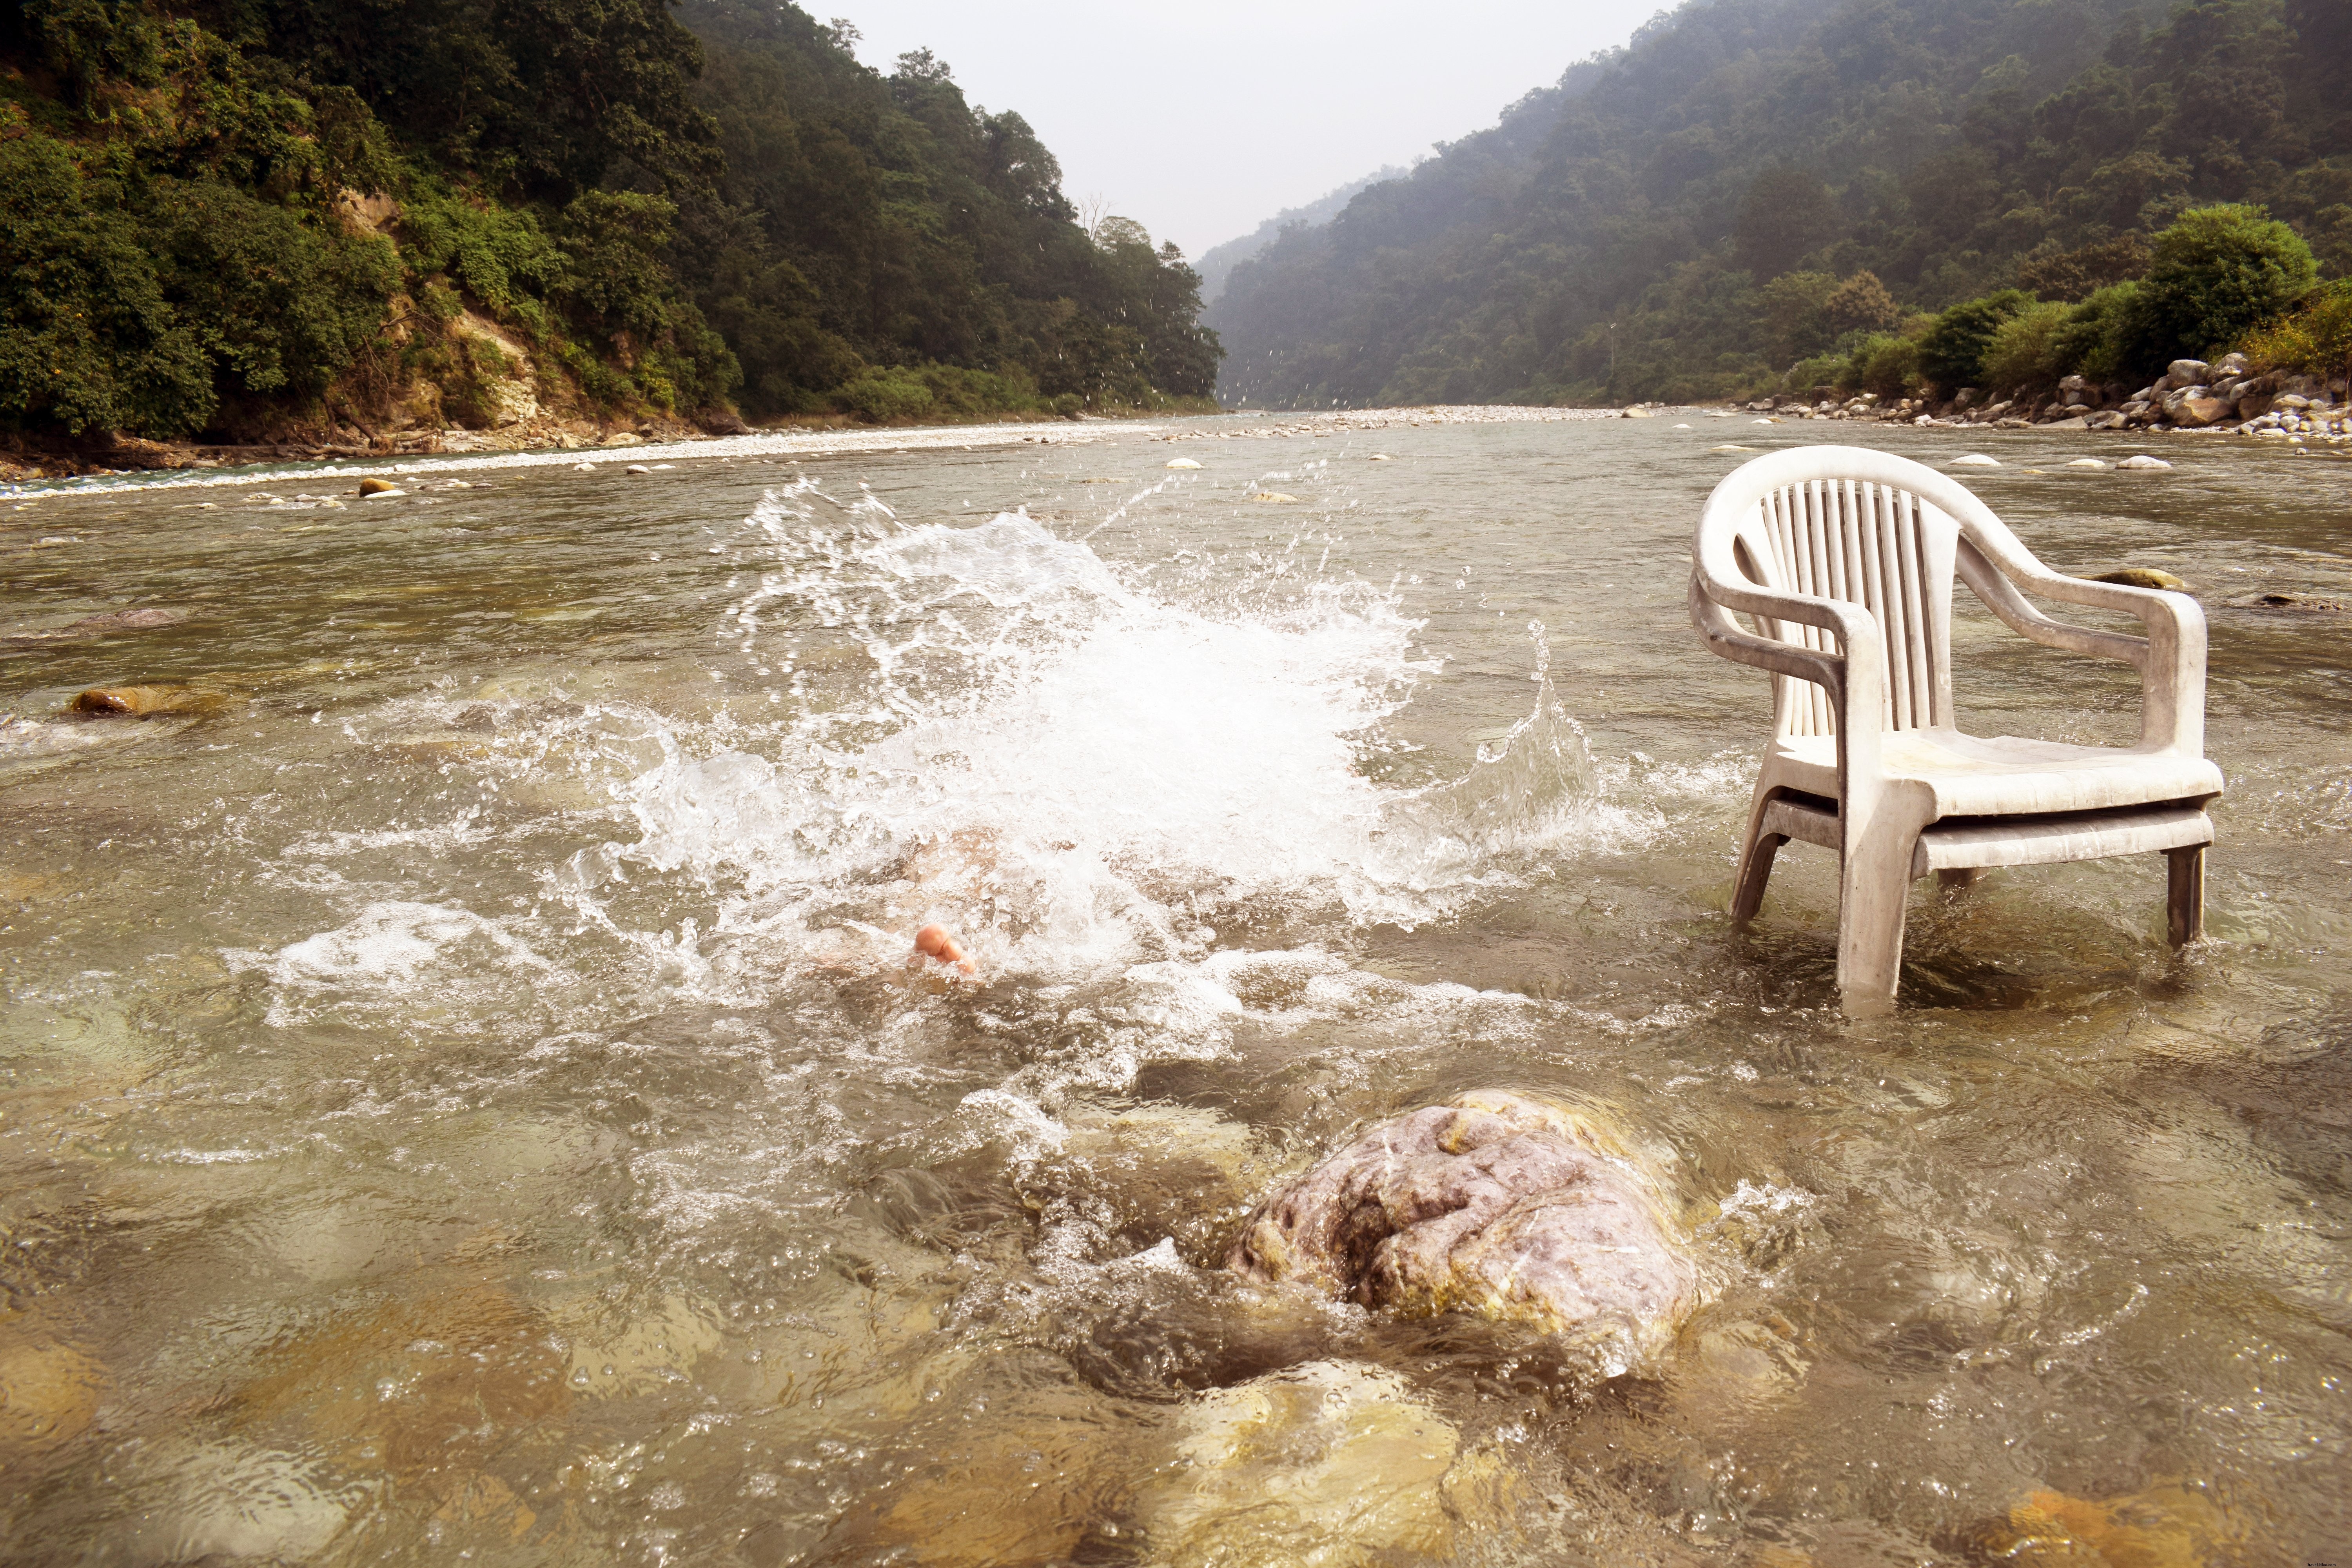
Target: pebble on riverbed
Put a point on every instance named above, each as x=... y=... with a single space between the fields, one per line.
x=1496 y=1203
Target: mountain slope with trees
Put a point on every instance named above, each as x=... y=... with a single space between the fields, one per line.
x=352 y=219
x=1217 y=263
x=1752 y=183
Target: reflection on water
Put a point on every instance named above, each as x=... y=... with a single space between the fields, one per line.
x=465 y=1093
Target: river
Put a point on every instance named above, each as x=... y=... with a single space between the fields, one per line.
x=465 y=1096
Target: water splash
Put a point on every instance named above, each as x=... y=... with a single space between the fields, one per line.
x=993 y=727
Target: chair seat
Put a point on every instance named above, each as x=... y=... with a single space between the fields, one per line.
x=2003 y=775
x=1976 y=843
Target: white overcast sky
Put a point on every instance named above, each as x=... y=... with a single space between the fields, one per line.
x=1203 y=120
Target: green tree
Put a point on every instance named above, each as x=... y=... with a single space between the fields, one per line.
x=88 y=339
x=1952 y=353
x=1786 y=215
x=1796 y=314
x=1861 y=304
x=2216 y=273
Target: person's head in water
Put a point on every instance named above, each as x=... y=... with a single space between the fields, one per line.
x=936 y=941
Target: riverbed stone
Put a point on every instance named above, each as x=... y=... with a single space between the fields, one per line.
x=2143 y=462
x=470 y=1367
x=2172 y=1524
x=2142 y=577
x=50 y=1387
x=2187 y=372
x=1324 y=1465
x=146 y=701
x=1498 y=1203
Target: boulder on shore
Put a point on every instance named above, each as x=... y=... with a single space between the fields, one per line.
x=1496 y=1204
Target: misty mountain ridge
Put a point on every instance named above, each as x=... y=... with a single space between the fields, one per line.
x=1619 y=235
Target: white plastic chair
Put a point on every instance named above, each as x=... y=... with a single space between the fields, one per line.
x=1844 y=557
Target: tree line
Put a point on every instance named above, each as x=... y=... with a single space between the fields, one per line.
x=234 y=217
x=1754 y=192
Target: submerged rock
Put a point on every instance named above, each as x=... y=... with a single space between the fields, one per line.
x=143 y=701
x=1975 y=460
x=2143 y=462
x=1324 y=1463
x=1497 y=1204
x=378 y=487
x=2172 y=1524
x=49 y=1387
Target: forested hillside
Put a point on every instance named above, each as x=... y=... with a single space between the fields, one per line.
x=359 y=219
x=1753 y=182
x=1216 y=263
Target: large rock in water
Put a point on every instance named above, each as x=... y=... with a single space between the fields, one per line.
x=1496 y=1203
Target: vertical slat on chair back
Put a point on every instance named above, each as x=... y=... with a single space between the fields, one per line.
x=1871 y=545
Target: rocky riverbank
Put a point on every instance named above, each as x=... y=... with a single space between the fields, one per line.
x=104 y=454
x=2226 y=395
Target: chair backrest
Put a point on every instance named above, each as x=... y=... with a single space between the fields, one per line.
x=1842 y=523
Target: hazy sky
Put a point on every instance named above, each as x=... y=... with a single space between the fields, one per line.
x=1201 y=119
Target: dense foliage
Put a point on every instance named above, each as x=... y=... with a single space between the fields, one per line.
x=1671 y=220
x=866 y=221
x=235 y=215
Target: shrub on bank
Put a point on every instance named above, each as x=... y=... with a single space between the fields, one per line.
x=1883 y=363
x=2093 y=341
x=1952 y=353
x=2025 y=349
x=1821 y=370
x=2214 y=276
x=2314 y=341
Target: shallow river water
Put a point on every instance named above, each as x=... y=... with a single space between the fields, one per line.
x=464 y=1096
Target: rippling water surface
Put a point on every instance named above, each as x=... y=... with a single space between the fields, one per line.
x=465 y=1094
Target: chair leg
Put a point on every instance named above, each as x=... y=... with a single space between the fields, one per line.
x=1873 y=898
x=2184 y=894
x=1755 y=870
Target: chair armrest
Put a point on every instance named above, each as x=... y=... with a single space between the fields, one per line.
x=2171 y=658
x=1724 y=635
x=1854 y=674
